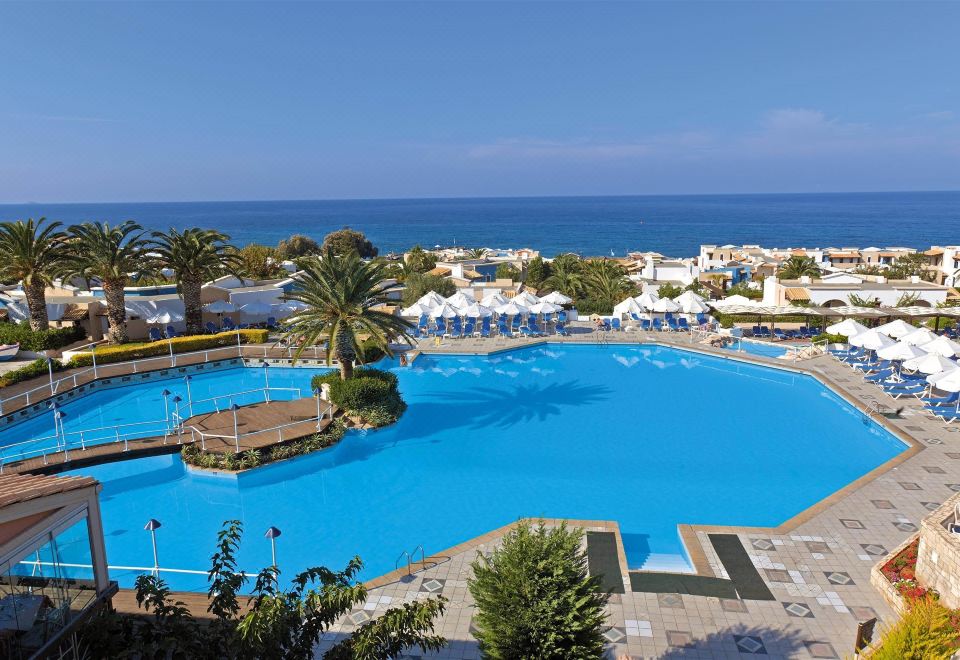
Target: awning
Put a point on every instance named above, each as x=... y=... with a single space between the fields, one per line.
x=797 y=293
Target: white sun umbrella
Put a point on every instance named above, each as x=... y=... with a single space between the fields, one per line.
x=692 y=305
x=477 y=311
x=556 y=298
x=946 y=382
x=897 y=328
x=901 y=351
x=647 y=300
x=544 y=308
x=942 y=346
x=256 y=308
x=689 y=295
x=416 y=310
x=735 y=299
x=431 y=299
x=665 y=305
x=919 y=337
x=165 y=318
x=871 y=340
x=444 y=311
x=526 y=299
x=493 y=300
x=511 y=309
x=461 y=300
x=931 y=363
x=628 y=306
x=847 y=328
x=219 y=307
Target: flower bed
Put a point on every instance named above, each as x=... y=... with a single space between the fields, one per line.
x=901 y=569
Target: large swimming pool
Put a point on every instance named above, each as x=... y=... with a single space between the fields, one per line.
x=650 y=437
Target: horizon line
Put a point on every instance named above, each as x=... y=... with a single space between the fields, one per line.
x=478 y=197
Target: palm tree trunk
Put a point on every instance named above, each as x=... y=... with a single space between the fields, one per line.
x=346 y=353
x=37 y=304
x=192 y=308
x=116 y=311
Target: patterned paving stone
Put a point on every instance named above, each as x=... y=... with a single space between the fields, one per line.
x=749 y=644
x=777 y=575
x=733 y=605
x=934 y=469
x=818 y=649
x=433 y=586
x=850 y=523
x=819 y=547
x=930 y=506
x=954 y=487
x=952 y=454
x=614 y=635
x=763 y=544
x=873 y=549
x=670 y=600
x=837 y=577
x=883 y=504
x=909 y=485
x=905 y=526
x=862 y=613
x=679 y=638
x=359 y=617
x=799 y=610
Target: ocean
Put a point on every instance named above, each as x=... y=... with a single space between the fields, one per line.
x=672 y=225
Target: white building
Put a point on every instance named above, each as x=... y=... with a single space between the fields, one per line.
x=835 y=289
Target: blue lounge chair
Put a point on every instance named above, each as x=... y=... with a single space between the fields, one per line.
x=561 y=330
x=779 y=334
x=765 y=331
x=682 y=322
x=947 y=415
x=941 y=400
x=526 y=331
x=701 y=319
x=634 y=317
x=561 y=317
x=615 y=324
x=658 y=324
x=880 y=376
x=645 y=324
x=155 y=334
x=901 y=389
x=271 y=322
x=211 y=328
x=484 y=327
x=228 y=323
x=606 y=325
x=672 y=323
x=757 y=331
x=171 y=332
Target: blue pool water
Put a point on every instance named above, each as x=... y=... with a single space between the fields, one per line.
x=650 y=437
x=97 y=412
x=759 y=348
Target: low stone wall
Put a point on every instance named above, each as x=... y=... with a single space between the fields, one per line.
x=938 y=558
x=880 y=582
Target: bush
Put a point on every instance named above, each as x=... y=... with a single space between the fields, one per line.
x=370 y=351
x=928 y=631
x=371 y=394
x=39 y=340
x=831 y=339
x=36 y=368
x=419 y=284
x=535 y=599
x=125 y=352
x=588 y=306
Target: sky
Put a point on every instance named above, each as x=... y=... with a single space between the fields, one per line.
x=223 y=101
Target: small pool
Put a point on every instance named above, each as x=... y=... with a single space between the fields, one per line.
x=765 y=349
x=650 y=437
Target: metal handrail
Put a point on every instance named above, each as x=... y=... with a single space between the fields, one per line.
x=194 y=431
x=266 y=390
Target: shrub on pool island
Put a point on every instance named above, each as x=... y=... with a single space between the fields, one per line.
x=125 y=352
x=371 y=394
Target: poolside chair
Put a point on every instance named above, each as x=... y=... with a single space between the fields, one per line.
x=646 y=325
x=211 y=328
x=757 y=331
x=658 y=324
x=484 y=328
x=701 y=319
x=503 y=330
x=881 y=376
x=765 y=332
x=560 y=330
x=606 y=325
x=682 y=323
x=271 y=322
x=672 y=323
x=779 y=334
x=561 y=317
x=948 y=416
x=903 y=389
x=171 y=332
x=941 y=400
x=615 y=324
x=228 y=323
x=547 y=318
x=154 y=334
x=634 y=317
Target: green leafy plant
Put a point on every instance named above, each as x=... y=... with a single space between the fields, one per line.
x=39 y=340
x=927 y=631
x=417 y=285
x=32 y=370
x=109 y=354
x=33 y=252
x=798 y=266
x=370 y=394
x=507 y=271
x=346 y=241
x=418 y=260
x=535 y=598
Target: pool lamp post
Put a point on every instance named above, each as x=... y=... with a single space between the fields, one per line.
x=316 y=393
x=173 y=359
x=187 y=379
x=236 y=436
x=152 y=526
x=55 y=408
x=62 y=437
x=166 y=410
x=273 y=534
x=266 y=380
x=50 y=370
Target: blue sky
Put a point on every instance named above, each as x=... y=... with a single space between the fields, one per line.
x=157 y=102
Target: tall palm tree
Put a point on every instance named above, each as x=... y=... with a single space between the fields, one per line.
x=565 y=275
x=798 y=266
x=606 y=281
x=340 y=292
x=110 y=254
x=195 y=256
x=475 y=253
x=32 y=252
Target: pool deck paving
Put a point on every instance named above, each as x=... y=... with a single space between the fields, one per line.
x=815 y=566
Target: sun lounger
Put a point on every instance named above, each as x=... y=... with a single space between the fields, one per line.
x=658 y=325
x=211 y=328
x=154 y=334
x=939 y=400
x=779 y=334
x=682 y=322
x=645 y=324
x=561 y=330
x=615 y=324
x=672 y=323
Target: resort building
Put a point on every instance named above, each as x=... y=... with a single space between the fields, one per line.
x=945 y=264
x=836 y=289
x=53 y=562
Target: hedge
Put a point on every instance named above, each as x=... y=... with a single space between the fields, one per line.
x=36 y=368
x=39 y=340
x=125 y=352
x=370 y=394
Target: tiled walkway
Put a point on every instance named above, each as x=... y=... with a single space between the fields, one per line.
x=817 y=567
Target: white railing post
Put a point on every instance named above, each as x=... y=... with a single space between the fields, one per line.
x=173 y=359
x=93 y=354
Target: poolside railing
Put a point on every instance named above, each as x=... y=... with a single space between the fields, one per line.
x=177 y=417
x=196 y=435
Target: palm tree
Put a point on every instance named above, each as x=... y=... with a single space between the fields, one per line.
x=195 y=256
x=340 y=292
x=32 y=252
x=475 y=253
x=798 y=266
x=606 y=280
x=565 y=275
x=110 y=254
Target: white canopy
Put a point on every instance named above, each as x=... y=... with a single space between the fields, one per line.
x=476 y=311
x=416 y=310
x=871 y=340
x=666 y=305
x=556 y=298
x=257 y=308
x=493 y=300
x=431 y=299
x=647 y=300
x=692 y=304
x=444 y=311
x=219 y=307
x=461 y=299
x=689 y=295
x=165 y=317
x=931 y=363
x=289 y=307
x=901 y=351
x=736 y=299
x=628 y=306
x=946 y=382
x=897 y=328
x=545 y=308
x=942 y=346
x=918 y=337
x=526 y=299
x=847 y=328
x=511 y=309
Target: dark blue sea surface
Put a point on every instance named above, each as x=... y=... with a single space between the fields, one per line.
x=673 y=225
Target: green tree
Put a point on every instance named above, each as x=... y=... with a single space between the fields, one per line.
x=341 y=293
x=347 y=240
x=297 y=246
x=109 y=254
x=860 y=301
x=535 y=598
x=909 y=265
x=476 y=253
x=418 y=260
x=606 y=282
x=279 y=624
x=538 y=271
x=668 y=290
x=32 y=252
x=798 y=266
x=417 y=285
x=195 y=256
x=565 y=275
x=741 y=289
x=259 y=262
x=507 y=271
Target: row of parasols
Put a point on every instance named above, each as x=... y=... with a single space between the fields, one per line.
x=461 y=304
x=252 y=310
x=916 y=349
x=687 y=302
